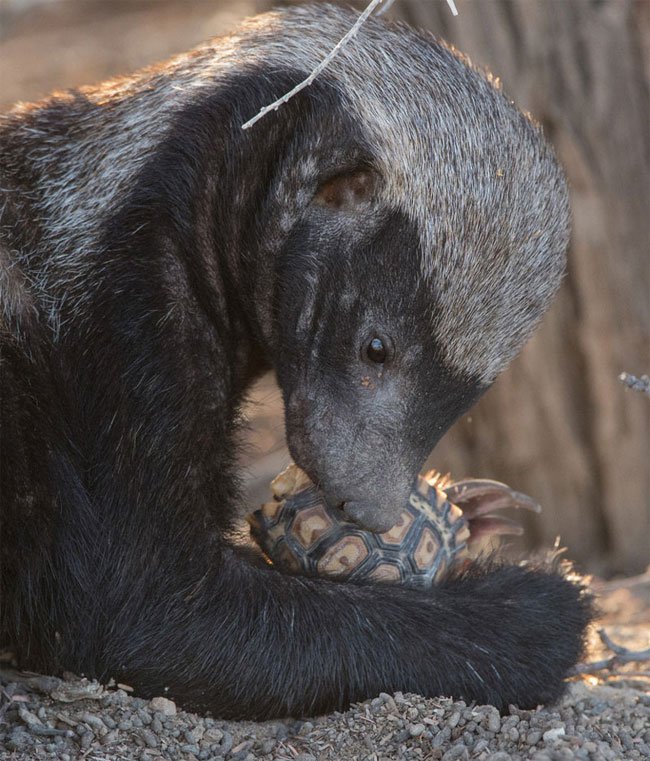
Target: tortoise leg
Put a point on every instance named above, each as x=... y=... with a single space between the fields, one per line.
x=480 y=498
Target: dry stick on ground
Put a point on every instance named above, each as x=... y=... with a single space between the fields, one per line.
x=621 y=655
x=325 y=62
x=630 y=582
x=641 y=384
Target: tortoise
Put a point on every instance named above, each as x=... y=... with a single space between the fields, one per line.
x=299 y=532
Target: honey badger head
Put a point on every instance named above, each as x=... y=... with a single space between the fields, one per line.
x=432 y=240
x=388 y=238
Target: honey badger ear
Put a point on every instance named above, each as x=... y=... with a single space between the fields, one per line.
x=347 y=192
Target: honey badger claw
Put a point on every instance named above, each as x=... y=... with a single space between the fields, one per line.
x=478 y=498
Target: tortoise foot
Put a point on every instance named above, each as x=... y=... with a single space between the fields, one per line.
x=479 y=499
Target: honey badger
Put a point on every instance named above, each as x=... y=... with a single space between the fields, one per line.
x=385 y=242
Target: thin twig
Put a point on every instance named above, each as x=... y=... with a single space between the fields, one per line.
x=613 y=646
x=388 y=4
x=323 y=64
x=621 y=655
x=326 y=61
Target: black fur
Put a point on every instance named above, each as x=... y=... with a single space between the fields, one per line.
x=123 y=369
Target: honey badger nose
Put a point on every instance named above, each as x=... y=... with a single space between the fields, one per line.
x=371 y=516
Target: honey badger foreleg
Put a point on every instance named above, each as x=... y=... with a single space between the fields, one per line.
x=291 y=646
x=196 y=622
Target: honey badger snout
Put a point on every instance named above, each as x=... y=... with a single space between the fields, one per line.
x=370 y=479
x=365 y=448
x=372 y=517
x=368 y=473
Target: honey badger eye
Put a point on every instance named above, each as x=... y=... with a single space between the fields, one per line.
x=376 y=350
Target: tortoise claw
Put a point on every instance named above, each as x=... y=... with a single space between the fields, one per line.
x=490 y=525
x=480 y=496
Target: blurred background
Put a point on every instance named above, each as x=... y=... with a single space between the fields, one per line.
x=558 y=424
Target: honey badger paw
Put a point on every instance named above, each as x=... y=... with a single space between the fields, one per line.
x=306 y=646
x=533 y=619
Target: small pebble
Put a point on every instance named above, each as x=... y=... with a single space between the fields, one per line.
x=164 y=705
x=389 y=701
x=551 y=735
x=456 y=753
x=226 y=743
x=108 y=721
x=149 y=737
x=494 y=721
x=453 y=720
x=189 y=748
x=213 y=735
x=533 y=737
x=144 y=716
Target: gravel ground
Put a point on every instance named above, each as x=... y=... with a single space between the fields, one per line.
x=603 y=718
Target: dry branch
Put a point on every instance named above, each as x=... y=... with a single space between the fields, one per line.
x=326 y=61
x=621 y=655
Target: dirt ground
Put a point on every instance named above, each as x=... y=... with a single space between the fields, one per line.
x=604 y=716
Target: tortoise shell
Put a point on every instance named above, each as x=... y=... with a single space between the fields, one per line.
x=300 y=533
